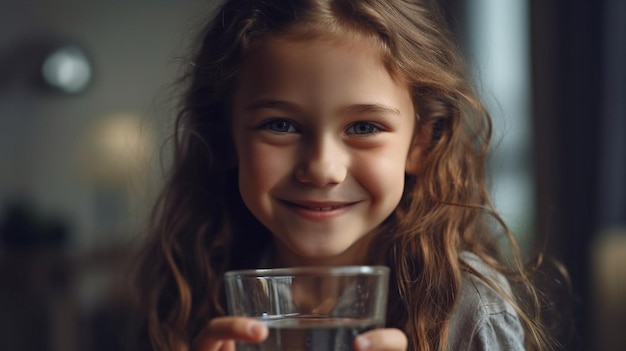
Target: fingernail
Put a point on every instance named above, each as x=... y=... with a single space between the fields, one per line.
x=362 y=343
x=255 y=329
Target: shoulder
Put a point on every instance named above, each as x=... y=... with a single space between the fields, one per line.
x=482 y=318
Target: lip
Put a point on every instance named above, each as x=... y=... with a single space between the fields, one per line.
x=319 y=210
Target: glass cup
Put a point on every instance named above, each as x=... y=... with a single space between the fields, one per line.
x=310 y=308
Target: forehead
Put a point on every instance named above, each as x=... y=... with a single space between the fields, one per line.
x=315 y=57
x=332 y=34
x=313 y=52
x=319 y=76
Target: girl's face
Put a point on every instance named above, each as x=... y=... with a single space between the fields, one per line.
x=322 y=134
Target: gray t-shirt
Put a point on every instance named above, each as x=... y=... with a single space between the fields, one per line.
x=482 y=319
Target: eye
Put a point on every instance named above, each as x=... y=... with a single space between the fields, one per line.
x=279 y=126
x=361 y=128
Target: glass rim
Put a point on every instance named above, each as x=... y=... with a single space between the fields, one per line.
x=309 y=270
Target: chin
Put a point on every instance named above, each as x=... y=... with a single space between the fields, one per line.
x=326 y=254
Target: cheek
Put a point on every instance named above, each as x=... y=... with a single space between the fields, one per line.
x=261 y=168
x=382 y=177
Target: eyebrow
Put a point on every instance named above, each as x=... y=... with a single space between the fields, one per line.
x=369 y=108
x=353 y=109
x=270 y=103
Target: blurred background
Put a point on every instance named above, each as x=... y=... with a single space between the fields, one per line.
x=86 y=107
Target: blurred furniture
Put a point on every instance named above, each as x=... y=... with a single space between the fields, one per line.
x=609 y=291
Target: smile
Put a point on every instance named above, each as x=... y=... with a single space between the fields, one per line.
x=319 y=210
x=319 y=206
x=328 y=208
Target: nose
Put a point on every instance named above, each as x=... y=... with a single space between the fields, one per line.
x=323 y=162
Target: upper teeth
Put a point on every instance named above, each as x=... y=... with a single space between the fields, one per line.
x=324 y=208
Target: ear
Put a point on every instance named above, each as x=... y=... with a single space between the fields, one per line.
x=419 y=149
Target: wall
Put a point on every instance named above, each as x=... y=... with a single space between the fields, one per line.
x=46 y=137
x=78 y=173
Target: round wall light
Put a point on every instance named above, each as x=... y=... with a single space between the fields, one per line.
x=67 y=69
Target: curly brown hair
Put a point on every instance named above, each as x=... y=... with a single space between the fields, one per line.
x=201 y=227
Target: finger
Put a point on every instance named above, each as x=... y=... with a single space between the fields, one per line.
x=381 y=340
x=229 y=345
x=239 y=328
x=223 y=329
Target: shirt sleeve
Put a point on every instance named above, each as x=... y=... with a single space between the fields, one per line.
x=500 y=331
x=483 y=319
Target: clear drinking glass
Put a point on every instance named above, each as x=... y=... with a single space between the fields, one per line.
x=310 y=308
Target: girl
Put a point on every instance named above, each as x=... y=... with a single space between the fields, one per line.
x=333 y=132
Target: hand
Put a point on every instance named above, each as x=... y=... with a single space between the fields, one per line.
x=222 y=332
x=381 y=340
